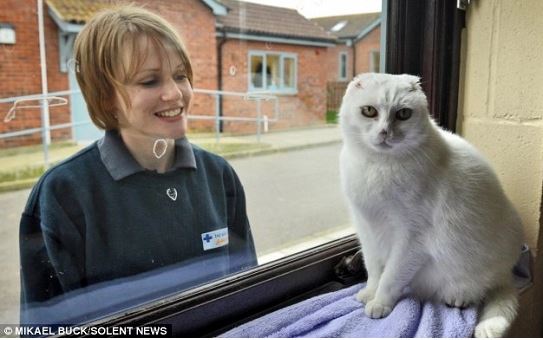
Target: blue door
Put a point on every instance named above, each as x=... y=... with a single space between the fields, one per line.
x=84 y=131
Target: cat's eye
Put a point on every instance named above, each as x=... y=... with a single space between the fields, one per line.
x=404 y=114
x=369 y=111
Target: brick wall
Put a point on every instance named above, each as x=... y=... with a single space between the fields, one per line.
x=20 y=72
x=363 y=48
x=307 y=107
x=195 y=24
x=332 y=62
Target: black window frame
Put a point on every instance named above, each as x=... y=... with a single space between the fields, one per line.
x=422 y=38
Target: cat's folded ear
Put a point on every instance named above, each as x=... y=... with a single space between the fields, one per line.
x=414 y=81
x=360 y=80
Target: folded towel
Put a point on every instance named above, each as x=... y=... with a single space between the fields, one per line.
x=339 y=314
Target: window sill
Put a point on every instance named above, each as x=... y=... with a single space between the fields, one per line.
x=273 y=283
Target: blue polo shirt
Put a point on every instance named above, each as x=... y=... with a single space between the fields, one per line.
x=100 y=217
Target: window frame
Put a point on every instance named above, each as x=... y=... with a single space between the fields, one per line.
x=287 y=280
x=277 y=284
x=282 y=56
x=424 y=38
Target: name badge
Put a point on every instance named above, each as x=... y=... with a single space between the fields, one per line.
x=215 y=239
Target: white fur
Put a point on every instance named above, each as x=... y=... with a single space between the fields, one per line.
x=429 y=210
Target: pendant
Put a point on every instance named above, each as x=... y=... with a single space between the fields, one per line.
x=159 y=147
x=172 y=193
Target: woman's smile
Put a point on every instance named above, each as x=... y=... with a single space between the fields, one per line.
x=171 y=114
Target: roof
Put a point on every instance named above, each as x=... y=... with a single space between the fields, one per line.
x=251 y=18
x=80 y=11
x=355 y=24
x=77 y=11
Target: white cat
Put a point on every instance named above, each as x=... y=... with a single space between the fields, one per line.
x=429 y=211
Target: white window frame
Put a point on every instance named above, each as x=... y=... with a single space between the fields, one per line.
x=282 y=57
x=340 y=60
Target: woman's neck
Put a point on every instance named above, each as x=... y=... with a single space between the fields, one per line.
x=151 y=153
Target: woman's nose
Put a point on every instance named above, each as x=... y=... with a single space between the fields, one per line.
x=171 y=91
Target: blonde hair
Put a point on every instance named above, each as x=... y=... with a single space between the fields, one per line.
x=100 y=52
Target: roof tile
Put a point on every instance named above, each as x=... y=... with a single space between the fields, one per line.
x=356 y=23
x=247 y=17
x=78 y=11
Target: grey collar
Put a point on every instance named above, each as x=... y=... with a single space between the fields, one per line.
x=120 y=163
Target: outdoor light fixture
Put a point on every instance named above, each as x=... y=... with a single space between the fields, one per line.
x=7 y=34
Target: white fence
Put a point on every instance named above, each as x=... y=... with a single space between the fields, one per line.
x=56 y=99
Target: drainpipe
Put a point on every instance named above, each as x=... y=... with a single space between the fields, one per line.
x=222 y=41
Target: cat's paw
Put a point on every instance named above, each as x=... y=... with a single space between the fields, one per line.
x=457 y=302
x=365 y=295
x=495 y=327
x=376 y=310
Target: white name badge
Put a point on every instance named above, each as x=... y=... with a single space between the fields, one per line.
x=215 y=239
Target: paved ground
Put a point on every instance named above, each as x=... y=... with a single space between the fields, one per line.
x=11 y=206
x=293 y=199
x=292 y=196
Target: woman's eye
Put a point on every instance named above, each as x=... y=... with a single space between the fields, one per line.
x=180 y=77
x=403 y=114
x=148 y=83
x=369 y=111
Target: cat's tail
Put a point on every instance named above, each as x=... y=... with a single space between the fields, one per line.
x=499 y=312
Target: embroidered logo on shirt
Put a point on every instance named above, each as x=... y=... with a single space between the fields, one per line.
x=215 y=239
x=172 y=193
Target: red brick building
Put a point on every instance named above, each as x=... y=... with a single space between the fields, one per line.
x=234 y=46
x=278 y=51
x=358 y=47
x=357 y=50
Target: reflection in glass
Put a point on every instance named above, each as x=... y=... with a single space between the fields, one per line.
x=293 y=197
x=141 y=211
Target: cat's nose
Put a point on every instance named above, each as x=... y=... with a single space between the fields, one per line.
x=383 y=132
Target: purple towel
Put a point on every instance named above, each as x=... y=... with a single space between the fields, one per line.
x=339 y=314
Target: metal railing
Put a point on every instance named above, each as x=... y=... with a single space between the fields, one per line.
x=21 y=102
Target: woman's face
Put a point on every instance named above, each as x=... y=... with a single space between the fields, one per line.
x=159 y=95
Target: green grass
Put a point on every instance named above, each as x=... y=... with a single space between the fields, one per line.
x=230 y=148
x=331 y=117
x=23 y=173
x=22 y=150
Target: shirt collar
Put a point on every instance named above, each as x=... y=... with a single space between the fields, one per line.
x=120 y=163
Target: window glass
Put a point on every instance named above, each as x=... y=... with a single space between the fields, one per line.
x=343 y=66
x=289 y=75
x=278 y=70
x=257 y=72
x=95 y=223
x=375 y=60
x=273 y=72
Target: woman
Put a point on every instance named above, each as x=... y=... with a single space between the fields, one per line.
x=142 y=198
